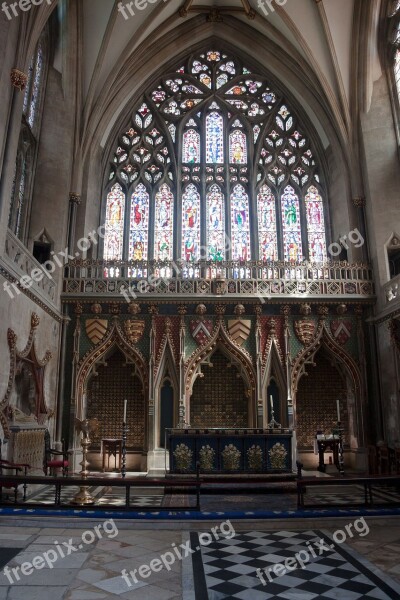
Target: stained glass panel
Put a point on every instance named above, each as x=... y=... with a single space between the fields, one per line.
x=315 y=225
x=114 y=226
x=240 y=224
x=190 y=223
x=214 y=138
x=267 y=224
x=191 y=147
x=164 y=224
x=216 y=223
x=238 y=147
x=292 y=246
x=397 y=71
x=138 y=237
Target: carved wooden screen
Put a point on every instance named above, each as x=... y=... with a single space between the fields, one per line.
x=105 y=401
x=316 y=401
x=219 y=398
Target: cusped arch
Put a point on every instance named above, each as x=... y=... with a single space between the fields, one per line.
x=237 y=355
x=323 y=339
x=115 y=338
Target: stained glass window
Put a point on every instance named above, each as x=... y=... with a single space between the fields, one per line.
x=139 y=226
x=292 y=245
x=114 y=225
x=164 y=224
x=36 y=83
x=267 y=224
x=191 y=146
x=397 y=71
x=190 y=224
x=204 y=145
x=215 y=223
x=315 y=226
x=238 y=147
x=240 y=225
x=214 y=138
x=20 y=201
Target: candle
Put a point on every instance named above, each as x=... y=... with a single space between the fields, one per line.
x=125 y=403
x=271 y=402
x=338 y=410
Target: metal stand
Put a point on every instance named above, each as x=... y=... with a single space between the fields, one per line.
x=273 y=424
x=340 y=431
x=124 y=436
x=84 y=496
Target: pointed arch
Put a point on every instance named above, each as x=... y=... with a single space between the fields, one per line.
x=354 y=382
x=220 y=340
x=274 y=367
x=166 y=368
x=324 y=339
x=115 y=338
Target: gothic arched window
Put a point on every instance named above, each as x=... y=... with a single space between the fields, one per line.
x=28 y=140
x=216 y=167
x=393 y=29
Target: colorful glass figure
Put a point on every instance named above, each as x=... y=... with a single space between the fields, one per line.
x=139 y=225
x=240 y=224
x=315 y=225
x=292 y=245
x=191 y=146
x=238 y=147
x=164 y=224
x=114 y=225
x=267 y=224
x=190 y=223
x=214 y=138
x=215 y=223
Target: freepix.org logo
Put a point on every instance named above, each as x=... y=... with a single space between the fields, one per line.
x=11 y=10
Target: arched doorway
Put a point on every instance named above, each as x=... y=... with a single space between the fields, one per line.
x=316 y=398
x=219 y=397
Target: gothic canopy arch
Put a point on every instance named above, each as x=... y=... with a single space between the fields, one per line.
x=115 y=338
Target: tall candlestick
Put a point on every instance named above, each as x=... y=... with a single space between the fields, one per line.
x=125 y=403
x=338 y=410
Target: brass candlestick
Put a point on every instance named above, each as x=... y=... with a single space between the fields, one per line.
x=86 y=426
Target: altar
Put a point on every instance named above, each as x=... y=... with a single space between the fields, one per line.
x=223 y=450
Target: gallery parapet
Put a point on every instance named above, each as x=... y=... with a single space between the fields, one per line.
x=229 y=278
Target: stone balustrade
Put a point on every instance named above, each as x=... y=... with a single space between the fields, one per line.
x=227 y=278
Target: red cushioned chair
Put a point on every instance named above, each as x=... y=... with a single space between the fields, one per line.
x=60 y=460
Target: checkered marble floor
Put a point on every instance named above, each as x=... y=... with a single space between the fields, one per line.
x=104 y=495
x=349 y=495
x=227 y=568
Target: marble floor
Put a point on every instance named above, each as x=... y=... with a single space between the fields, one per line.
x=45 y=559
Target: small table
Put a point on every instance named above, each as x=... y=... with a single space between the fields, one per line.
x=324 y=442
x=111 y=447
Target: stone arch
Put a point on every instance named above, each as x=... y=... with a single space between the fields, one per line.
x=274 y=368
x=352 y=376
x=166 y=366
x=237 y=355
x=115 y=338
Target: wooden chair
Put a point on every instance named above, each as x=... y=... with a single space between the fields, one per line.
x=7 y=466
x=50 y=463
